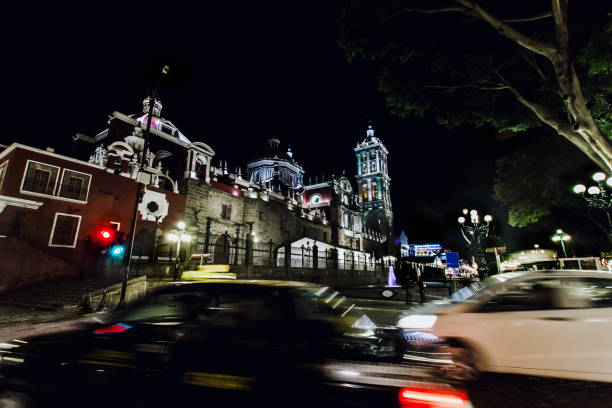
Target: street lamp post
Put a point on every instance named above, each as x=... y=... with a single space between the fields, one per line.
x=177 y=235
x=474 y=233
x=139 y=188
x=598 y=196
x=561 y=237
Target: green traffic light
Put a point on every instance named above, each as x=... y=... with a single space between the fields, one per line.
x=117 y=250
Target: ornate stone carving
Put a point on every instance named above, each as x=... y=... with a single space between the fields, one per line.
x=154 y=206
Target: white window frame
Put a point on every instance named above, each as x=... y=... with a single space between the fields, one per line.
x=25 y=171
x=116 y=224
x=76 y=234
x=59 y=186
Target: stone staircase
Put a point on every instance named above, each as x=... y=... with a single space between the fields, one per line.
x=56 y=294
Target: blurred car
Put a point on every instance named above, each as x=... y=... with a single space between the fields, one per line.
x=227 y=342
x=543 y=323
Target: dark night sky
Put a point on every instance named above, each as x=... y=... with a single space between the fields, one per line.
x=253 y=71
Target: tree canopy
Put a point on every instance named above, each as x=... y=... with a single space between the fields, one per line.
x=539 y=178
x=511 y=65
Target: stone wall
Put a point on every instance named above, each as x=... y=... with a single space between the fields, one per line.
x=32 y=266
x=273 y=218
x=332 y=277
x=137 y=288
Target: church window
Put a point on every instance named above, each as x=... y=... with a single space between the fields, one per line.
x=374 y=193
x=226 y=211
x=365 y=191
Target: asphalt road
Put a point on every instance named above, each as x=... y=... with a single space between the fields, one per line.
x=490 y=391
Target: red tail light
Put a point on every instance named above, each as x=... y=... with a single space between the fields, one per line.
x=113 y=328
x=421 y=397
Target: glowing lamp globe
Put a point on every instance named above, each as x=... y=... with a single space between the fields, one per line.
x=181 y=225
x=488 y=218
x=461 y=220
x=599 y=176
x=593 y=190
x=559 y=231
x=609 y=181
x=465 y=211
x=556 y=238
x=579 y=188
x=566 y=237
x=473 y=213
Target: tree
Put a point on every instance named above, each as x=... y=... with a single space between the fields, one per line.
x=537 y=179
x=510 y=64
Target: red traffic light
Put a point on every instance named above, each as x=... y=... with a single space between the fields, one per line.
x=106 y=235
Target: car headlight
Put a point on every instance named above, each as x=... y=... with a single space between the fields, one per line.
x=417 y=322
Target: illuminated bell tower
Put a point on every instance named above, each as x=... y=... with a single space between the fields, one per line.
x=373 y=183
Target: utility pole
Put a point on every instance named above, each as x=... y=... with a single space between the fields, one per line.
x=139 y=187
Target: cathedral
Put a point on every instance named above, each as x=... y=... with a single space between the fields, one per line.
x=265 y=216
x=270 y=203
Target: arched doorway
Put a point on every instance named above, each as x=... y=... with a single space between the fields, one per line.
x=222 y=250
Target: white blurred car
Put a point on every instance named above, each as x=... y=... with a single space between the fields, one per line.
x=545 y=323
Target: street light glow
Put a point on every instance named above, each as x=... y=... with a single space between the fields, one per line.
x=599 y=176
x=473 y=213
x=559 y=231
x=171 y=236
x=556 y=238
x=594 y=190
x=488 y=218
x=465 y=211
x=461 y=220
x=181 y=225
x=566 y=237
x=581 y=188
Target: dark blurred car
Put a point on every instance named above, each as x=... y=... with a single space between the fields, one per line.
x=234 y=343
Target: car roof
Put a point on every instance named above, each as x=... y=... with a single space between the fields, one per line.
x=253 y=282
x=554 y=273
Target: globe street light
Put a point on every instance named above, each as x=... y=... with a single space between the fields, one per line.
x=474 y=233
x=561 y=237
x=598 y=196
x=177 y=235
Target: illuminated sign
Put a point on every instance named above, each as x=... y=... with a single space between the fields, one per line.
x=424 y=250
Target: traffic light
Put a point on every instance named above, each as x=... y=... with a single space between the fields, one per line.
x=105 y=235
x=117 y=250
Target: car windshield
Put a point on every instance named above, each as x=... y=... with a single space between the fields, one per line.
x=225 y=301
x=479 y=289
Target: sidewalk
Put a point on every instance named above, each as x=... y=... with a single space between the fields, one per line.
x=18 y=322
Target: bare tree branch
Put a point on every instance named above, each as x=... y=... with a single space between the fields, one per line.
x=452 y=88
x=525 y=19
x=562 y=128
x=465 y=10
x=431 y=11
x=508 y=31
x=535 y=66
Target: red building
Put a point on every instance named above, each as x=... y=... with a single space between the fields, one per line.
x=51 y=207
